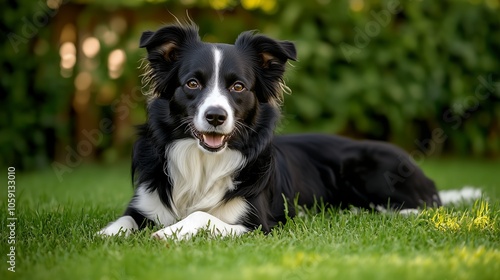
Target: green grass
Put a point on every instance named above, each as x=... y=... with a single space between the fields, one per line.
x=56 y=222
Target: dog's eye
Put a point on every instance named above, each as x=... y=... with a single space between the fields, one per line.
x=193 y=84
x=237 y=87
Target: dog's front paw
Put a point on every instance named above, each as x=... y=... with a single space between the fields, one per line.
x=189 y=226
x=186 y=228
x=112 y=231
x=176 y=232
x=123 y=226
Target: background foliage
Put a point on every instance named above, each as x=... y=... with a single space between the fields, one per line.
x=33 y=95
x=421 y=74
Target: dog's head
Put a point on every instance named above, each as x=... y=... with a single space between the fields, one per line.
x=213 y=90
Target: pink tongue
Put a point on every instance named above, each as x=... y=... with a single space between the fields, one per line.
x=213 y=140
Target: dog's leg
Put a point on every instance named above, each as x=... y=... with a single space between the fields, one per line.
x=124 y=225
x=189 y=226
x=131 y=221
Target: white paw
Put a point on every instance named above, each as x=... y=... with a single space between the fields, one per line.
x=175 y=232
x=123 y=226
x=110 y=231
x=190 y=226
x=465 y=195
x=409 y=211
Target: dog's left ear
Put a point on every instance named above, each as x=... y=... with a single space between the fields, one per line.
x=271 y=57
x=271 y=52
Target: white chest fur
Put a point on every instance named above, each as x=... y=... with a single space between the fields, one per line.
x=200 y=179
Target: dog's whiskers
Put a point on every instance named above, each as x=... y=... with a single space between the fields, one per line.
x=186 y=121
x=243 y=128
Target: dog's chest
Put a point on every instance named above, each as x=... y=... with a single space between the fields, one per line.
x=200 y=179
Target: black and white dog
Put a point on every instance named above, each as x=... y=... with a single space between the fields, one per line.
x=207 y=157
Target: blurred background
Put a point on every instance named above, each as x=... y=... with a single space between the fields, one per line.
x=424 y=75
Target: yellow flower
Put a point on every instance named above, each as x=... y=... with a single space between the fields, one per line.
x=267 y=6
x=250 y=4
x=444 y=219
x=482 y=219
x=220 y=4
x=301 y=259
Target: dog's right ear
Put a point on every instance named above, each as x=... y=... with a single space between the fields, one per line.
x=165 y=47
x=168 y=40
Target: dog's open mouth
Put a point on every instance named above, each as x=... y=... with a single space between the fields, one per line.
x=211 y=141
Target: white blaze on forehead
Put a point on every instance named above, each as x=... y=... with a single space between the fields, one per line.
x=217 y=60
x=215 y=98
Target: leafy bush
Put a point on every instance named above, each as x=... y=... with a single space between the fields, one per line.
x=33 y=94
x=396 y=71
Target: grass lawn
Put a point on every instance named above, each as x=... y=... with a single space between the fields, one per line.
x=56 y=222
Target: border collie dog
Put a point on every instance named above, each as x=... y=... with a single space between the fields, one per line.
x=207 y=157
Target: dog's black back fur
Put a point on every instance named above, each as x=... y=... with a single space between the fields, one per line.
x=345 y=173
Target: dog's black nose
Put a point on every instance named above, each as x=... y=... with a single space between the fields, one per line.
x=215 y=116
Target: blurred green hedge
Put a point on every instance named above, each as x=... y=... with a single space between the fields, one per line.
x=33 y=95
x=397 y=71
x=421 y=74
